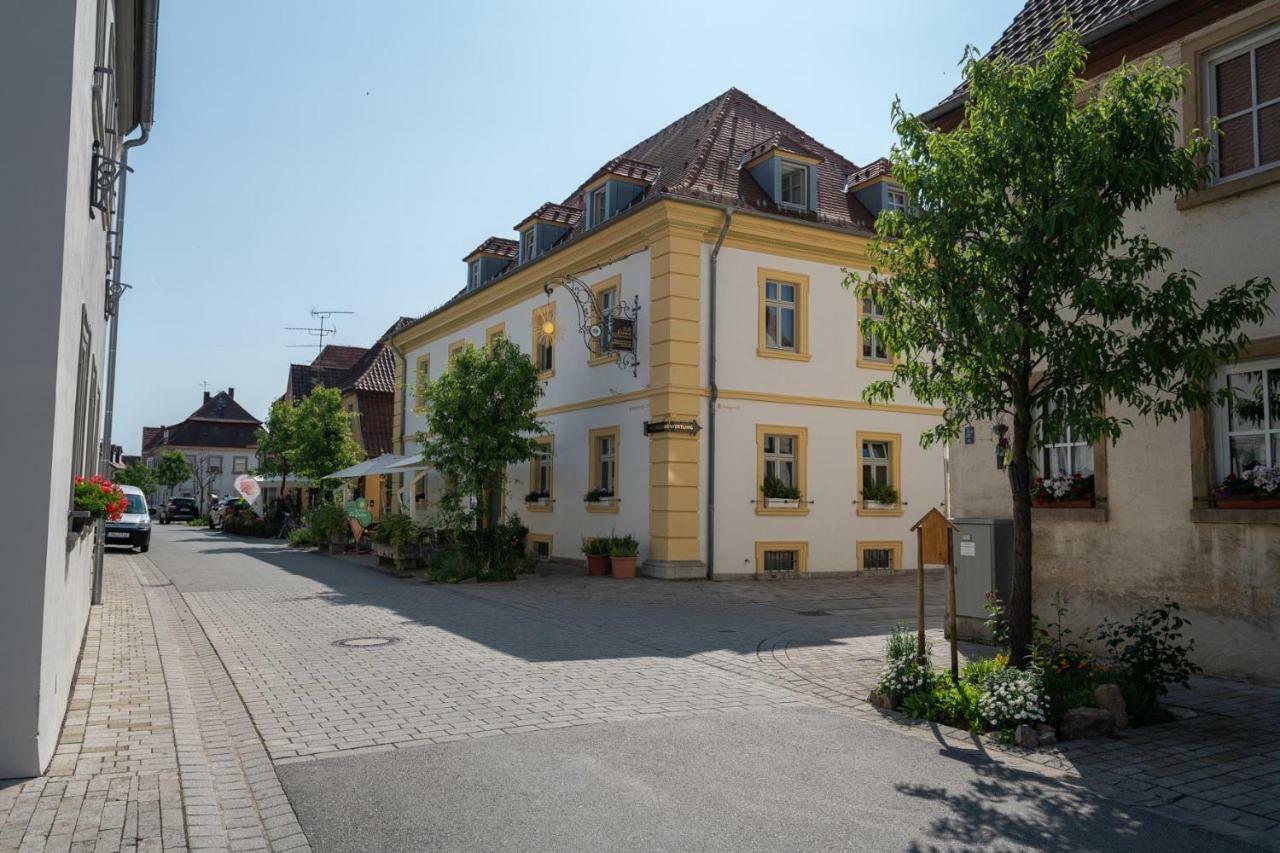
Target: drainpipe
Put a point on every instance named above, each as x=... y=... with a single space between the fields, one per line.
x=404 y=408
x=146 y=112
x=711 y=408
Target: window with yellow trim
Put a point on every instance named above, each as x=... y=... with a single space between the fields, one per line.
x=544 y=343
x=782 y=557
x=784 y=314
x=879 y=473
x=492 y=333
x=455 y=348
x=539 y=545
x=781 y=475
x=542 y=476
x=873 y=349
x=880 y=556
x=422 y=378
x=607 y=295
x=603 y=483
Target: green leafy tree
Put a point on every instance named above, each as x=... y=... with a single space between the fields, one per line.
x=480 y=419
x=137 y=474
x=322 y=439
x=172 y=469
x=277 y=442
x=1011 y=280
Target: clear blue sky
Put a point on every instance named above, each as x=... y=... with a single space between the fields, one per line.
x=312 y=154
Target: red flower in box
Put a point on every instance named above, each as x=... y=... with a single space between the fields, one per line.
x=100 y=497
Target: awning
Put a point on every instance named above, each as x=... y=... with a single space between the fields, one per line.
x=384 y=464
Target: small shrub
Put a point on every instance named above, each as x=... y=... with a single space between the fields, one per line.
x=245 y=522
x=596 y=546
x=975 y=672
x=775 y=489
x=397 y=529
x=997 y=620
x=451 y=566
x=1011 y=696
x=920 y=706
x=327 y=520
x=623 y=546
x=201 y=521
x=903 y=675
x=1149 y=654
x=880 y=493
x=959 y=704
x=302 y=537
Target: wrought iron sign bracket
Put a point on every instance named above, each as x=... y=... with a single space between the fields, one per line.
x=102 y=180
x=604 y=333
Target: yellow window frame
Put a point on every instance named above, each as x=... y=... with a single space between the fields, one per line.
x=421 y=378
x=549 y=442
x=894 y=440
x=801 y=547
x=492 y=333
x=539 y=539
x=593 y=475
x=801 y=282
x=862 y=360
x=455 y=348
x=611 y=283
x=893 y=545
x=801 y=437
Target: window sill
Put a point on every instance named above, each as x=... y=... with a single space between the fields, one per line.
x=1049 y=513
x=879 y=513
x=532 y=507
x=1230 y=189
x=597 y=360
x=765 y=352
x=543 y=377
x=761 y=509
x=603 y=507
x=875 y=364
x=1213 y=515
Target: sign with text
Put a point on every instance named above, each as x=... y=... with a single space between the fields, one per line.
x=685 y=427
x=622 y=334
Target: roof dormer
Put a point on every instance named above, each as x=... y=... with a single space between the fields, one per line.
x=489 y=260
x=544 y=228
x=786 y=170
x=616 y=186
x=873 y=185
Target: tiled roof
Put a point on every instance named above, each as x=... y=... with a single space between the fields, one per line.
x=326 y=369
x=498 y=246
x=376 y=369
x=151 y=436
x=869 y=172
x=219 y=422
x=1035 y=26
x=626 y=167
x=777 y=142
x=222 y=407
x=555 y=213
x=337 y=357
x=376 y=417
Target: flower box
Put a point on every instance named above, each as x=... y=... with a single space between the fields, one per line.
x=539 y=502
x=879 y=505
x=610 y=501
x=79 y=521
x=1077 y=503
x=781 y=503
x=1248 y=503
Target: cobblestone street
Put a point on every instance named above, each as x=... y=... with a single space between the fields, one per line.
x=229 y=687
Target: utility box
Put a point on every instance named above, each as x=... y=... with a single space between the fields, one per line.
x=982 y=552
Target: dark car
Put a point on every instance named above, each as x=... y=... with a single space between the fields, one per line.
x=179 y=509
x=133 y=527
x=223 y=508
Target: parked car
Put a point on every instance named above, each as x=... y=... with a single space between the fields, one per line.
x=134 y=526
x=224 y=507
x=179 y=509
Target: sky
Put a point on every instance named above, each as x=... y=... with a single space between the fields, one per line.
x=315 y=154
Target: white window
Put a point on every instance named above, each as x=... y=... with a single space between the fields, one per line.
x=872 y=347
x=876 y=463
x=473 y=275
x=1063 y=454
x=215 y=464
x=780 y=459
x=795 y=185
x=1247 y=432
x=607 y=302
x=239 y=464
x=526 y=244
x=606 y=463
x=598 y=209
x=896 y=200
x=542 y=469
x=1242 y=90
x=780 y=315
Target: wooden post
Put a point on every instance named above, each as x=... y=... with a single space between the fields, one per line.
x=920 y=650
x=951 y=612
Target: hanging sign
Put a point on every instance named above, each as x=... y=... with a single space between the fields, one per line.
x=685 y=427
x=622 y=334
x=249 y=488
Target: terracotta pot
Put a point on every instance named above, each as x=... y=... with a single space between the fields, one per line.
x=597 y=564
x=337 y=545
x=1248 y=503
x=623 y=567
x=1082 y=503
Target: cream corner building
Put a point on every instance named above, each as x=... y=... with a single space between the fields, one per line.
x=757 y=224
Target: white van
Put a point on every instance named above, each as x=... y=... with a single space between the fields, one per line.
x=134 y=527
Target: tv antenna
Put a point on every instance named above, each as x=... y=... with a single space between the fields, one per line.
x=323 y=329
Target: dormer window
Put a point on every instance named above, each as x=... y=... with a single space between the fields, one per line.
x=599 y=212
x=895 y=199
x=473 y=274
x=795 y=184
x=527 y=244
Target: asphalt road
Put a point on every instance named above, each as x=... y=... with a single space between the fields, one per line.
x=777 y=780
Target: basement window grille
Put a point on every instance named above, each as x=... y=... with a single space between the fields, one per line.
x=780 y=561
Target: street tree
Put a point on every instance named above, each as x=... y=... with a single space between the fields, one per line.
x=480 y=419
x=137 y=474
x=1010 y=289
x=172 y=469
x=322 y=440
x=277 y=443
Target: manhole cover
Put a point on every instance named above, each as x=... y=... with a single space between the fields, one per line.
x=814 y=612
x=366 y=642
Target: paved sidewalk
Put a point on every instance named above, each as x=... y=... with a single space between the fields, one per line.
x=157 y=751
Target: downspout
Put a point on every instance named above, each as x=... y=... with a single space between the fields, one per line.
x=715 y=395
x=146 y=113
x=403 y=391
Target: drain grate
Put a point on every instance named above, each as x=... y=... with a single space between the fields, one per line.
x=366 y=642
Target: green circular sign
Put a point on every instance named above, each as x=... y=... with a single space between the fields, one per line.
x=358 y=510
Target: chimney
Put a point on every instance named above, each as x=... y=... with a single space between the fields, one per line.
x=231 y=392
x=206 y=396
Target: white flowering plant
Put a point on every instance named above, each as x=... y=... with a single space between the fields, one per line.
x=1012 y=696
x=1262 y=481
x=1062 y=487
x=903 y=675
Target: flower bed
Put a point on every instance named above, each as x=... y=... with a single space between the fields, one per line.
x=1256 y=488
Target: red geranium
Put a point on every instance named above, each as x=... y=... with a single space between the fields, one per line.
x=100 y=497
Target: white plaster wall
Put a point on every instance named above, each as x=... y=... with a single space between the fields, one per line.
x=53 y=268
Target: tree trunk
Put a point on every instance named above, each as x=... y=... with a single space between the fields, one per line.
x=1019 y=604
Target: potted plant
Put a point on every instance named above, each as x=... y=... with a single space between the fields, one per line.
x=598 y=496
x=1256 y=488
x=778 y=495
x=95 y=498
x=537 y=498
x=1063 y=491
x=597 y=550
x=879 y=496
x=622 y=555
x=396 y=539
x=329 y=522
